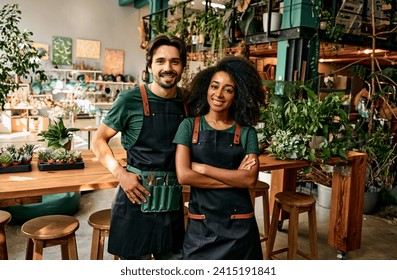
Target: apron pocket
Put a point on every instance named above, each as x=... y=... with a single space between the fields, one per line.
x=163 y=198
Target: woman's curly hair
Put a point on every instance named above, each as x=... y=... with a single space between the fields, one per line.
x=248 y=86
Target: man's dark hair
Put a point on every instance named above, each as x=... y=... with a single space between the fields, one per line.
x=164 y=40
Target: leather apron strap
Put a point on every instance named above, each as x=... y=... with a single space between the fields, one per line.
x=145 y=100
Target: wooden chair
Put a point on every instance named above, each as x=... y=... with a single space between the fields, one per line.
x=50 y=231
x=293 y=203
x=100 y=221
x=5 y=218
x=262 y=190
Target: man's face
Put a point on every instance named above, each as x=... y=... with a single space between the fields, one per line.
x=166 y=66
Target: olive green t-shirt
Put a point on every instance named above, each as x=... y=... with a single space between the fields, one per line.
x=248 y=136
x=126 y=113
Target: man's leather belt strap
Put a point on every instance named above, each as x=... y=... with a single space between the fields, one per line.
x=232 y=217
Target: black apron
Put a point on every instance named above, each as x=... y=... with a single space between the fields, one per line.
x=221 y=223
x=132 y=232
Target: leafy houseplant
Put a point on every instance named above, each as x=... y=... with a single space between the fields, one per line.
x=382 y=161
x=57 y=135
x=18 y=57
x=294 y=117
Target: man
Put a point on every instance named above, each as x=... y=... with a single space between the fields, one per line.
x=144 y=223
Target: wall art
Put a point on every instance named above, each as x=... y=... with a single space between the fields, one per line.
x=43 y=48
x=61 y=50
x=114 y=62
x=88 y=49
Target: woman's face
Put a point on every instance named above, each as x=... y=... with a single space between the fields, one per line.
x=221 y=92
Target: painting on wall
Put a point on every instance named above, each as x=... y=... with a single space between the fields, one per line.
x=88 y=48
x=61 y=50
x=40 y=47
x=113 y=62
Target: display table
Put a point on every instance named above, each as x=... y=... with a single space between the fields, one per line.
x=347 y=198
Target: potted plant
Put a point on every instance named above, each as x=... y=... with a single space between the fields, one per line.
x=325 y=19
x=43 y=154
x=381 y=167
x=295 y=116
x=57 y=135
x=5 y=159
x=27 y=151
x=18 y=56
x=275 y=17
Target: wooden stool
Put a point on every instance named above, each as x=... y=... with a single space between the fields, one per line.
x=100 y=221
x=5 y=218
x=293 y=203
x=49 y=231
x=262 y=189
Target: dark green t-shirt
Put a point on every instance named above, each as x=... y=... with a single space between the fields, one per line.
x=248 y=138
x=126 y=113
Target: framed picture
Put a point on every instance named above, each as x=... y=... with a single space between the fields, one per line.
x=42 y=48
x=88 y=49
x=62 y=50
x=114 y=62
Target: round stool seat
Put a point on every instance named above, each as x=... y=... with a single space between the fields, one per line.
x=100 y=219
x=295 y=199
x=5 y=218
x=50 y=227
x=50 y=231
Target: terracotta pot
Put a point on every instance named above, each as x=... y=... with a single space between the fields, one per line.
x=68 y=145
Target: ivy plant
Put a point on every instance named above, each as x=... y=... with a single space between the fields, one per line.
x=18 y=56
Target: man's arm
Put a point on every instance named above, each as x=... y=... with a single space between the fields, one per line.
x=128 y=181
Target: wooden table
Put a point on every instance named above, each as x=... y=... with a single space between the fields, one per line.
x=346 y=205
x=29 y=187
x=347 y=197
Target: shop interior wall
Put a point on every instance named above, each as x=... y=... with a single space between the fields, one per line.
x=116 y=27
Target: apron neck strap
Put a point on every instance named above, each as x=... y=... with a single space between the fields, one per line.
x=145 y=100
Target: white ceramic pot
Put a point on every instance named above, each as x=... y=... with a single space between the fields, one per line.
x=323 y=25
x=275 y=22
x=324 y=196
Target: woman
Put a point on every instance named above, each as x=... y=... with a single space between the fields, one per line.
x=217 y=155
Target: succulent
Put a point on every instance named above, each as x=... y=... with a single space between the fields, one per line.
x=11 y=149
x=5 y=158
x=28 y=150
x=44 y=154
x=17 y=156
